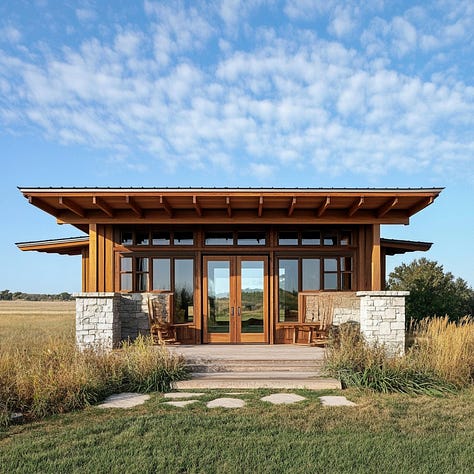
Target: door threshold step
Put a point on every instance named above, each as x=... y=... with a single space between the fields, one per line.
x=254 y=375
x=315 y=383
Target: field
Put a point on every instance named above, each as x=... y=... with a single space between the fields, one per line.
x=384 y=433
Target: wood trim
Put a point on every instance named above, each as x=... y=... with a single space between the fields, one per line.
x=420 y=205
x=292 y=206
x=103 y=206
x=137 y=210
x=166 y=206
x=109 y=258
x=387 y=207
x=358 y=203
x=39 y=203
x=260 y=206
x=376 y=260
x=72 y=206
x=197 y=206
x=323 y=207
x=85 y=269
x=229 y=206
x=92 y=257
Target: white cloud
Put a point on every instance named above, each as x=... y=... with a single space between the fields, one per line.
x=85 y=14
x=10 y=34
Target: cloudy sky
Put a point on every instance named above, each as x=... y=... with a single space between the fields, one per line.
x=235 y=93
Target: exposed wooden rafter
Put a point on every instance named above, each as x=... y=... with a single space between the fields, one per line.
x=103 y=206
x=357 y=204
x=420 y=205
x=166 y=206
x=72 y=206
x=134 y=206
x=197 y=206
x=322 y=208
x=260 y=206
x=229 y=206
x=44 y=206
x=292 y=206
x=387 y=207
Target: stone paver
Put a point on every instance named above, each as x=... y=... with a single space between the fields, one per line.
x=336 y=401
x=226 y=403
x=124 y=400
x=183 y=394
x=281 y=398
x=180 y=403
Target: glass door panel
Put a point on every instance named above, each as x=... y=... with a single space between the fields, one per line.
x=252 y=296
x=218 y=296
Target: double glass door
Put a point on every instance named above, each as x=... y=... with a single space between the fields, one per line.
x=235 y=299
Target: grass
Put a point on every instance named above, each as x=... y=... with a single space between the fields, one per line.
x=385 y=433
x=42 y=372
x=441 y=359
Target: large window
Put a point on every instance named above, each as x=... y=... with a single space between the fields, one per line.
x=173 y=274
x=310 y=274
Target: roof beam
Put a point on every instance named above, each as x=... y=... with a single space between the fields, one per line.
x=292 y=206
x=197 y=206
x=44 y=206
x=103 y=206
x=134 y=206
x=356 y=205
x=166 y=206
x=260 y=206
x=388 y=206
x=229 y=206
x=322 y=208
x=72 y=206
x=420 y=205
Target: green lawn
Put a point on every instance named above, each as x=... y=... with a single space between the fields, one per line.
x=385 y=433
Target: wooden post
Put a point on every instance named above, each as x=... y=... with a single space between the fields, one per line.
x=93 y=257
x=376 y=259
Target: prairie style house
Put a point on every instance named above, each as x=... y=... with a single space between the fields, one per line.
x=242 y=265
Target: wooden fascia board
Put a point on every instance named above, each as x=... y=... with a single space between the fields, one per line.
x=387 y=207
x=420 y=205
x=72 y=206
x=60 y=248
x=134 y=206
x=44 y=206
x=292 y=206
x=324 y=205
x=197 y=206
x=102 y=205
x=357 y=204
x=229 y=206
x=166 y=206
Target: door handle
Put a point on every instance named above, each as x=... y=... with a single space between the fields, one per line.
x=232 y=311
x=238 y=311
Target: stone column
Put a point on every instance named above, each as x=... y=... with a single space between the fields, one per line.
x=382 y=318
x=98 y=320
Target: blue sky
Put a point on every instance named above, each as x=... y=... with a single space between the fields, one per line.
x=235 y=93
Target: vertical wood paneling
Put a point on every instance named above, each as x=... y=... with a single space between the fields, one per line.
x=109 y=258
x=376 y=255
x=93 y=257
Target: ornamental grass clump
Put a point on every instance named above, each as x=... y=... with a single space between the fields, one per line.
x=358 y=364
x=55 y=377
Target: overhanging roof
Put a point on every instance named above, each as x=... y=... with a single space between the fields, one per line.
x=66 y=246
x=82 y=206
x=397 y=247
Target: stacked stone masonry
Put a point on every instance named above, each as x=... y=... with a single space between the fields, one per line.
x=104 y=319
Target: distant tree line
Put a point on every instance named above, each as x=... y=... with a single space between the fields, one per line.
x=7 y=295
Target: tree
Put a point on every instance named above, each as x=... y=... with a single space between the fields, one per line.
x=432 y=291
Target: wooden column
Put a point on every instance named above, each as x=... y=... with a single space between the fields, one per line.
x=85 y=270
x=101 y=264
x=93 y=269
x=376 y=259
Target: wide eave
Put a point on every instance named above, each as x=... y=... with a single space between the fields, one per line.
x=83 y=206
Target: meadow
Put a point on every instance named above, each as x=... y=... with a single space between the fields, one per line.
x=384 y=433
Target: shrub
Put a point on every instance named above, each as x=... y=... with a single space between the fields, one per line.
x=441 y=360
x=55 y=377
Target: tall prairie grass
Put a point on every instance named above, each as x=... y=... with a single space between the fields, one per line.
x=53 y=376
x=441 y=359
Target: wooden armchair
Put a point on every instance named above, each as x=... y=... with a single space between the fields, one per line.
x=159 y=308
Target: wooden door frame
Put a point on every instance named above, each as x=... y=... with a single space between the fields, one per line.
x=234 y=336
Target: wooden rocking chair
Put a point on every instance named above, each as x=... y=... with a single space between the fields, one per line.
x=161 y=330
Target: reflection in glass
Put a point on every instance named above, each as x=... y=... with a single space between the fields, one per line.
x=252 y=299
x=127 y=238
x=126 y=264
x=311 y=271
x=345 y=237
x=288 y=238
x=142 y=265
x=183 y=238
x=330 y=264
x=288 y=290
x=143 y=238
x=330 y=239
x=126 y=282
x=251 y=238
x=219 y=238
x=183 y=291
x=142 y=281
x=311 y=238
x=330 y=281
x=218 y=294
x=160 y=238
x=161 y=274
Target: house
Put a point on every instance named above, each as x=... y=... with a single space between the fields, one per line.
x=232 y=265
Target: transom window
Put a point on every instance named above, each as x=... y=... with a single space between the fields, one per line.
x=327 y=238
x=243 y=238
x=310 y=274
x=145 y=238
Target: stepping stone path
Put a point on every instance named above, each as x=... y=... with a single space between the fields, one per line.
x=226 y=403
x=336 y=401
x=124 y=400
x=180 y=403
x=283 y=398
x=182 y=394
